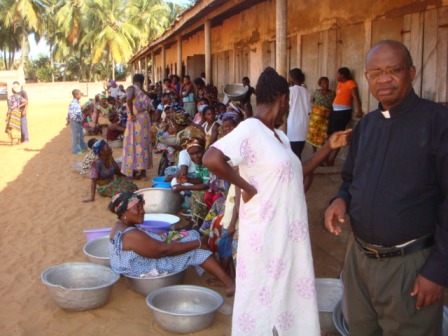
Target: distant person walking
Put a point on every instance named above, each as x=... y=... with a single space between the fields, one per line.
x=75 y=118
x=23 y=112
x=13 y=117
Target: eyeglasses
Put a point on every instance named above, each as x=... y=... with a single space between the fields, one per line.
x=391 y=71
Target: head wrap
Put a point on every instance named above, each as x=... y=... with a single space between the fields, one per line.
x=230 y=115
x=112 y=82
x=124 y=201
x=103 y=96
x=181 y=119
x=98 y=146
x=195 y=142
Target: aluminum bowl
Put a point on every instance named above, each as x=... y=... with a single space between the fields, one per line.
x=79 y=286
x=144 y=286
x=158 y=200
x=235 y=91
x=97 y=250
x=184 y=309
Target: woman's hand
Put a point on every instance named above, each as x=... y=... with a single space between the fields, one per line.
x=340 y=139
x=248 y=194
x=178 y=188
x=204 y=243
x=132 y=117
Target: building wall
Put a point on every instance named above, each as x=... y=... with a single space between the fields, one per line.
x=325 y=35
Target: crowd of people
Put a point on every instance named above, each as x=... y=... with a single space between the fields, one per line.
x=243 y=183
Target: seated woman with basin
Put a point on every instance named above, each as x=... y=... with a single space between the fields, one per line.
x=135 y=252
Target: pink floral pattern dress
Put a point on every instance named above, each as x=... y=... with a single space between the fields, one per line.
x=274 y=274
x=137 y=154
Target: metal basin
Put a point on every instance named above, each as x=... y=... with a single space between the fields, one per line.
x=158 y=200
x=184 y=309
x=236 y=91
x=145 y=286
x=97 y=250
x=79 y=286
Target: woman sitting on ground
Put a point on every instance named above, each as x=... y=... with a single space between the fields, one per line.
x=203 y=196
x=90 y=157
x=105 y=174
x=136 y=252
x=114 y=131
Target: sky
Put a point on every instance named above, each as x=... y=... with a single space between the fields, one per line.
x=37 y=49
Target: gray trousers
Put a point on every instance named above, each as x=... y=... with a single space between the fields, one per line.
x=377 y=296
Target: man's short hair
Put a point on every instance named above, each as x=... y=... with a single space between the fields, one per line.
x=75 y=91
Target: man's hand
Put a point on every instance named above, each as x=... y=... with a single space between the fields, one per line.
x=427 y=292
x=336 y=211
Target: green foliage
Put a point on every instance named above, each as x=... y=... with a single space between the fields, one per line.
x=88 y=39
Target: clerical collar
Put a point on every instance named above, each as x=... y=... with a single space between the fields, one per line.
x=386 y=114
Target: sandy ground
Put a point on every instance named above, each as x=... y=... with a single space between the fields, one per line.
x=43 y=220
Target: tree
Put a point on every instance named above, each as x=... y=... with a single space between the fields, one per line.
x=111 y=36
x=23 y=16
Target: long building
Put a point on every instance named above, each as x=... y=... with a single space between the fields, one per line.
x=234 y=38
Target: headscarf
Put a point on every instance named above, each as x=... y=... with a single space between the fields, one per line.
x=124 y=201
x=180 y=118
x=231 y=115
x=98 y=146
x=195 y=142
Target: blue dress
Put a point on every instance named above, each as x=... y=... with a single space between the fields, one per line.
x=132 y=264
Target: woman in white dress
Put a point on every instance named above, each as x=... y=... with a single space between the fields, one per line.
x=274 y=275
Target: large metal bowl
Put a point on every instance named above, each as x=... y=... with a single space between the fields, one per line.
x=144 y=286
x=97 y=250
x=235 y=91
x=184 y=309
x=158 y=200
x=79 y=286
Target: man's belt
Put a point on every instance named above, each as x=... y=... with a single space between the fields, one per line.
x=381 y=252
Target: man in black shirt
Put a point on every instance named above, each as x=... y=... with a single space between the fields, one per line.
x=395 y=182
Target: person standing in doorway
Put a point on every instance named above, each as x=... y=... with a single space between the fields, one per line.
x=300 y=107
x=187 y=95
x=395 y=183
x=75 y=118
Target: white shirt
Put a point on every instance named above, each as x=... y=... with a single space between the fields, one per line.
x=184 y=160
x=113 y=91
x=299 y=108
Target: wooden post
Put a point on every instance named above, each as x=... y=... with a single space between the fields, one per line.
x=179 y=56
x=281 y=37
x=163 y=62
x=153 y=67
x=208 y=51
x=146 y=72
